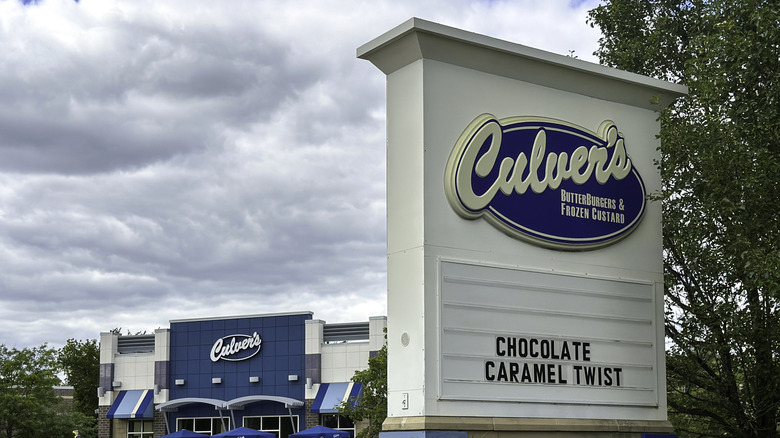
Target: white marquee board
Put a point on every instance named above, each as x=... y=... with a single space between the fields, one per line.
x=515 y=335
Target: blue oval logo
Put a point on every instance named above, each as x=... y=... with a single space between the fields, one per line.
x=235 y=347
x=546 y=181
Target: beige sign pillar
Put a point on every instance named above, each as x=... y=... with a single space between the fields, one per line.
x=525 y=280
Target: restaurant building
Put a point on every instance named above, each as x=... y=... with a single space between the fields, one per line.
x=280 y=373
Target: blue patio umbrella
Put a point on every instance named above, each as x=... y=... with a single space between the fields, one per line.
x=244 y=432
x=321 y=432
x=184 y=433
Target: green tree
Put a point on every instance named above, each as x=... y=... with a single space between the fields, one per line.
x=81 y=362
x=27 y=397
x=373 y=402
x=720 y=170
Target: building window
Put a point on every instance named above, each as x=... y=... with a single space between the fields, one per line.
x=207 y=425
x=140 y=429
x=280 y=425
x=336 y=421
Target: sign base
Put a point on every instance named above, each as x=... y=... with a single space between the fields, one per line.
x=501 y=427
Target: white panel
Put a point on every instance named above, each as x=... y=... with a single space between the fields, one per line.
x=593 y=338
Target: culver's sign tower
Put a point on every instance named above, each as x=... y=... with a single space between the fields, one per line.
x=525 y=277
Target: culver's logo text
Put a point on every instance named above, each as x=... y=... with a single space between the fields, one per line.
x=546 y=181
x=236 y=347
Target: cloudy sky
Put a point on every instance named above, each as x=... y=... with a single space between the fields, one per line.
x=178 y=159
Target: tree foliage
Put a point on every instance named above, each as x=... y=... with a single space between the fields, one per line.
x=720 y=170
x=80 y=361
x=27 y=397
x=372 y=405
x=29 y=405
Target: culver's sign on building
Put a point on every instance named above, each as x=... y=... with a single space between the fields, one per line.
x=236 y=347
x=546 y=181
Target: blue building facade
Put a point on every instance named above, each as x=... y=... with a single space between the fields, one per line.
x=272 y=371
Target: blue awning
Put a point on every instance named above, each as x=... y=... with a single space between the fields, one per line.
x=332 y=395
x=133 y=404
